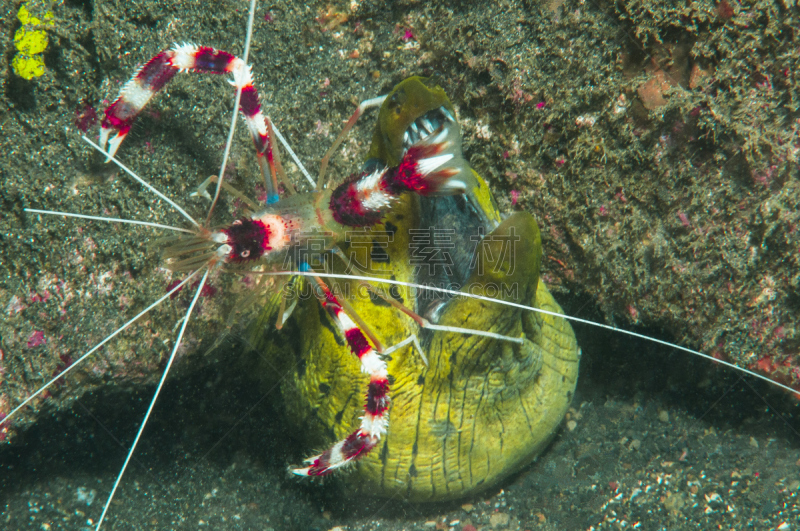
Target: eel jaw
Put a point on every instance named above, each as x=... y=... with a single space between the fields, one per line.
x=427 y=124
x=432 y=144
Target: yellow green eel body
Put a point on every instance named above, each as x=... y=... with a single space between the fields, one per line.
x=482 y=408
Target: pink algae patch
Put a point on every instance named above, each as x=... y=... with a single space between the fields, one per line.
x=37 y=339
x=85 y=116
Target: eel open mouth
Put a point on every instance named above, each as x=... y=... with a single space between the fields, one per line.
x=429 y=123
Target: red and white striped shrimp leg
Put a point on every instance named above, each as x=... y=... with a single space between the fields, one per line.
x=375 y=419
x=159 y=70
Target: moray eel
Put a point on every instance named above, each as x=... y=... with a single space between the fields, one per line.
x=482 y=408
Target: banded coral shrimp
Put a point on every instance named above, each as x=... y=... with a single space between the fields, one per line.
x=557 y=465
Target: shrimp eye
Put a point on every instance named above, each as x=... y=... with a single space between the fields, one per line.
x=248 y=238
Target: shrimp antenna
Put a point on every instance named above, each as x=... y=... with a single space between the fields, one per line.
x=142 y=181
x=108 y=338
x=103 y=218
x=292 y=154
x=234 y=117
x=155 y=395
x=539 y=310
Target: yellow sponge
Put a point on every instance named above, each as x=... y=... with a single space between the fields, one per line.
x=28 y=67
x=30 y=41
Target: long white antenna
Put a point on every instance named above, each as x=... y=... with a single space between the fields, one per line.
x=293 y=155
x=96 y=347
x=155 y=395
x=234 y=117
x=142 y=181
x=102 y=218
x=538 y=310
